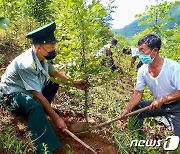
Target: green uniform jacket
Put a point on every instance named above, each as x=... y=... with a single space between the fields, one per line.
x=26 y=73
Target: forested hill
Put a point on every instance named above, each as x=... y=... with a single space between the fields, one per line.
x=133 y=28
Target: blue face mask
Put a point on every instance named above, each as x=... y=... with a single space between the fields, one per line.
x=113 y=46
x=146 y=59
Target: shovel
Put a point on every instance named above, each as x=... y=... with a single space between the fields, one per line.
x=80 y=141
x=86 y=129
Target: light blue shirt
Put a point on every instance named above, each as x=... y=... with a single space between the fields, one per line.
x=25 y=73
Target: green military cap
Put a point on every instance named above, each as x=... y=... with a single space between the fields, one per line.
x=44 y=34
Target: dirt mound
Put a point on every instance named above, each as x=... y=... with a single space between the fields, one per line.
x=100 y=144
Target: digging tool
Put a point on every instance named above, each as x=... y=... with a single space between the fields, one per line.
x=80 y=141
x=111 y=121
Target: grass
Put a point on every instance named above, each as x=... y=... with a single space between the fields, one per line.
x=9 y=142
x=105 y=102
x=14 y=138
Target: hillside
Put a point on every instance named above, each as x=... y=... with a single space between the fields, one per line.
x=133 y=28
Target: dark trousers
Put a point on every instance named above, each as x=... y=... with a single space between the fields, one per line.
x=41 y=130
x=170 y=111
x=50 y=90
x=109 y=62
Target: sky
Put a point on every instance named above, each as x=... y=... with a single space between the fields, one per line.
x=127 y=9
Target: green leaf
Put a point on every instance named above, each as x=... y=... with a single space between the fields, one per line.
x=4 y=22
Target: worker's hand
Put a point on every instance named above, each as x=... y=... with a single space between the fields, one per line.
x=59 y=122
x=117 y=67
x=109 y=53
x=82 y=85
x=156 y=104
x=123 y=118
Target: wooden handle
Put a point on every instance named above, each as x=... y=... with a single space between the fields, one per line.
x=137 y=111
x=118 y=118
x=80 y=141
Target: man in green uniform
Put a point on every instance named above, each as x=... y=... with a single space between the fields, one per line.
x=26 y=86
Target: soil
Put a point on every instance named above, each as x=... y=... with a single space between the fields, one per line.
x=99 y=143
x=8 y=51
x=96 y=141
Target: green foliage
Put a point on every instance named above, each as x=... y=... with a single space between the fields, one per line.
x=20 y=22
x=169 y=37
x=9 y=142
x=167 y=15
x=82 y=29
x=45 y=150
x=156 y=14
x=4 y=22
x=171 y=43
x=123 y=42
x=81 y=35
x=39 y=10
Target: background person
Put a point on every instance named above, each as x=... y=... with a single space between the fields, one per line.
x=106 y=50
x=134 y=52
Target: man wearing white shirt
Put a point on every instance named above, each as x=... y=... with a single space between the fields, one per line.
x=162 y=76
